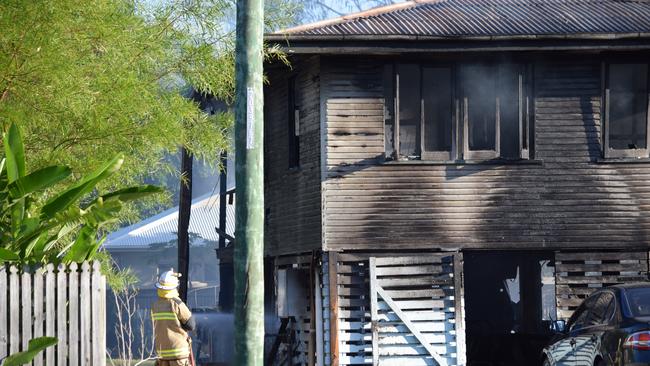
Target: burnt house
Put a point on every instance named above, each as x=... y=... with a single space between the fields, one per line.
x=446 y=178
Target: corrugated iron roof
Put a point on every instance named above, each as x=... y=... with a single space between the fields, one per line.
x=487 y=18
x=162 y=228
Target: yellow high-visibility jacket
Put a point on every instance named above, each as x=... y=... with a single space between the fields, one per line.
x=172 y=319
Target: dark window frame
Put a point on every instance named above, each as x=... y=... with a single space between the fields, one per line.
x=441 y=154
x=459 y=150
x=467 y=152
x=293 y=124
x=609 y=153
x=424 y=153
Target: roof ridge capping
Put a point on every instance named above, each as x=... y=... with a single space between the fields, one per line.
x=362 y=14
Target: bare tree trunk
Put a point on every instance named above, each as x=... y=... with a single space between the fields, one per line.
x=184 y=212
x=226 y=275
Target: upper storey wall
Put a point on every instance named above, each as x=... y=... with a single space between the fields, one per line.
x=565 y=196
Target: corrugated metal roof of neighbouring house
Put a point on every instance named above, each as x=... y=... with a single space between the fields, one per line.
x=428 y=19
x=163 y=228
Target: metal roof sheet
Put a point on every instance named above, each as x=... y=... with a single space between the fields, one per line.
x=488 y=18
x=163 y=228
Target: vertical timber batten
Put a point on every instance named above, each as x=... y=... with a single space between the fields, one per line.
x=334 y=308
x=459 y=308
x=320 y=358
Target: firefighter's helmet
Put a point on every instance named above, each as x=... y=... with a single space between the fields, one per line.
x=168 y=280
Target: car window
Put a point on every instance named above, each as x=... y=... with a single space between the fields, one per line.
x=602 y=309
x=639 y=300
x=577 y=321
x=580 y=318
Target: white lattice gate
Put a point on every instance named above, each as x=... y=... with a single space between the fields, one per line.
x=416 y=310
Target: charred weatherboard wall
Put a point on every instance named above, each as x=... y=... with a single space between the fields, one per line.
x=566 y=197
x=292 y=194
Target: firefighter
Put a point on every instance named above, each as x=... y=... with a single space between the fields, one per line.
x=172 y=320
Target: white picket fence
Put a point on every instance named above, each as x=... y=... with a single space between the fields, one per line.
x=67 y=302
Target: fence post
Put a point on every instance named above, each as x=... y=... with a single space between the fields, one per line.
x=14 y=311
x=73 y=295
x=50 y=311
x=86 y=355
x=98 y=316
x=39 y=314
x=61 y=316
x=26 y=306
x=3 y=312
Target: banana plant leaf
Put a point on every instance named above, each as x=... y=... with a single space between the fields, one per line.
x=28 y=226
x=35 y=346
x=85 y=186
x=14 y=153
x=63 y=229
x=42 y=252
x=15 y=164
x=102 y=213
x=92 y=252
x=17 y=216
x=7 y=255
x=38 y=180
x=82 y=245
x=60 y=235
x=38 y=242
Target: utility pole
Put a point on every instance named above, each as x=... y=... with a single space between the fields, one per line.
x=249 y=178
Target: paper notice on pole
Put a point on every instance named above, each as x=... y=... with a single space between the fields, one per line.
x=250 y=118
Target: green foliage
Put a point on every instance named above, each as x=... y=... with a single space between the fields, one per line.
x=87 y=80
x=34 y=347
x=62 y=229
x=118 y=279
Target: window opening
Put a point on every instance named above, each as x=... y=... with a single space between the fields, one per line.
x=626 y=98
x=437 y=115
x=509 y=89
x=479 y=85
x=408 y=83
x=549 y=307
x=422 y=108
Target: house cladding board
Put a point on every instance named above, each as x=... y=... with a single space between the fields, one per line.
x=565 y=197
x=292 y=195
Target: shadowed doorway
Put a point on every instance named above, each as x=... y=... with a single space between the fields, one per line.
x=509 y=302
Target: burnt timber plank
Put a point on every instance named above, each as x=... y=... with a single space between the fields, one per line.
x=578 y=274
x=292 y=196
x=569 y=200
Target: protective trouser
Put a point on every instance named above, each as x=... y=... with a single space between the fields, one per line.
x=181 y=362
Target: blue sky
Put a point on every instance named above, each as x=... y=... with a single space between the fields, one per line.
x=324 y=9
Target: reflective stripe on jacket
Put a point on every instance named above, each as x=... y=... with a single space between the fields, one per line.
x=171 y=340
